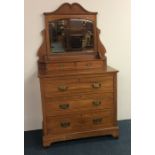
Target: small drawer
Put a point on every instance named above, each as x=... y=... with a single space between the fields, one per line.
x=63 y=124
x=60 y=66
x=98 y=83
x=90 y=64
x=81 y=103
x=99 y=79
x=54 y=87
x=98 y=119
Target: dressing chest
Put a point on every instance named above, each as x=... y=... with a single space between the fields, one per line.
x=78 y=89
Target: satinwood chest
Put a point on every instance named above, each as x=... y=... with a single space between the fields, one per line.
x=78 y=89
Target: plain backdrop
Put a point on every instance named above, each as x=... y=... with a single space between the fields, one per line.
x=114 y=22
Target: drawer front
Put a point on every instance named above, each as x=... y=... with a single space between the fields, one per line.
x=79 y=122
x=90 y=64
x=82 y=103
x=81 y=85
x=60 y=66
x=98 y=119
x=74 y=65
x=63 y=124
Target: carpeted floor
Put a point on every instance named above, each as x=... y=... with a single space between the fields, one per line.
x=105 y=145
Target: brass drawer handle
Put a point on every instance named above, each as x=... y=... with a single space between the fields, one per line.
x=96 y=85
x=64 y=106
x=96 y=103
x=65 y=124
x=97 y=121
x=62 y=88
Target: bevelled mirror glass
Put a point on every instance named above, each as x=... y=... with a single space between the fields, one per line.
x=70 y=35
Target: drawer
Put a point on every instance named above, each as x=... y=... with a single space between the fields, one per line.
x=81 y=103
x=92 y=79
x=63 y=124
x=81 y=85
x=98 y=119
x=60 y=66
x=74 y=65
x=90 y=64
x=80 y=122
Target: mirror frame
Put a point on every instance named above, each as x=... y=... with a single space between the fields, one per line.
x=71 y=11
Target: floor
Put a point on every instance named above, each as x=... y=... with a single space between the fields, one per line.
x=104 y=145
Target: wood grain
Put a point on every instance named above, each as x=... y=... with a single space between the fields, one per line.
x=79 y=122
x=92 y=84
x=78 y=104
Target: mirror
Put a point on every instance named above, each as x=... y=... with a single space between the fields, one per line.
x=70 y=35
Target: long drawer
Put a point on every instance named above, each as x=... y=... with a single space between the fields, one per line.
x=77 y=85
x=81 y=103
x=61 y=66
x=81 y=122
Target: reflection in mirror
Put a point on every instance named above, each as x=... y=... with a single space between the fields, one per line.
x=69 y=35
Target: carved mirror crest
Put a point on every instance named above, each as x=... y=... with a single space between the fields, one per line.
x=71 y=30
